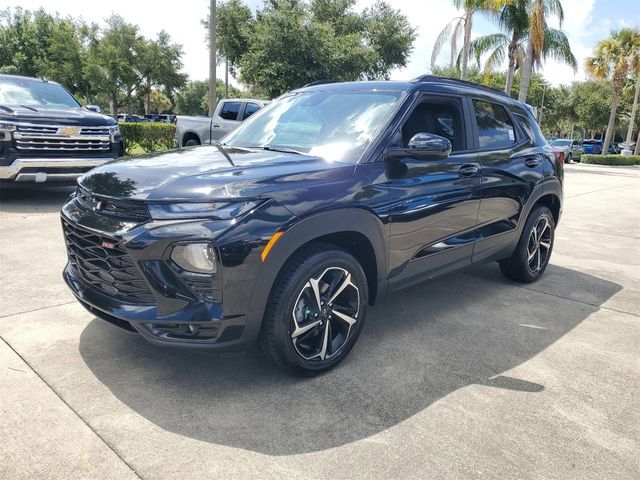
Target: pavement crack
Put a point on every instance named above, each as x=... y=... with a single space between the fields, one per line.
x=71 y=408
x=37 y=309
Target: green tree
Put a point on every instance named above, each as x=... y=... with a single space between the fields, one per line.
x=292 y=42
x=539 y=12
x=193 y=99
x=514 y=20
x=613 y=60
x=234 y=24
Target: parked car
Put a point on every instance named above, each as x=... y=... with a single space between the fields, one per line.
x=129 y=118
x=592 y=147
x=311 y=211
x=160 y=117
x=46 y=134
x=229 y=114
x=572 y=149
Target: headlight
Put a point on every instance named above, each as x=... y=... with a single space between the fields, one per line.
x=215 y=210
x=5 y=131
x=114 y=130
x=195 y=257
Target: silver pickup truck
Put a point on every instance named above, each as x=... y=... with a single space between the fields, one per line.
x=228 y=115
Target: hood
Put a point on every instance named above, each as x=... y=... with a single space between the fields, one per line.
x=201 y=173
x=53 y=116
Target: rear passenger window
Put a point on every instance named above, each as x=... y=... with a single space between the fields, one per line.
x=230 y=110
x=526 y=126
x=495 y=129
x=250 y=109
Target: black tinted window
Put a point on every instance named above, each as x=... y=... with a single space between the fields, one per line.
x=526 y=126
x=440 y=118
x=230 y=110
x=495 y=129
x=250 y=109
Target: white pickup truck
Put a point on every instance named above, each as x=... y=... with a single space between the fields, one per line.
x=228 y=115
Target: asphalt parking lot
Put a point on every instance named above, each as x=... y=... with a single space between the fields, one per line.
x=463 y=377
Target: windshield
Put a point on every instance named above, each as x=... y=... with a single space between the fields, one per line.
x=337 y=126
x=561 y=143
x=24 y=91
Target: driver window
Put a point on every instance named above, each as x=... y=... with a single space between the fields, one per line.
x=441 y=117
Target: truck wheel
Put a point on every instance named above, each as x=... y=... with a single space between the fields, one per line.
x=191 y=142
x=531 y=257
x=569 y=158
x=315 y=311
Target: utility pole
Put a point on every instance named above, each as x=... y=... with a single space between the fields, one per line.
x=212 y=58
x=544 y=91
x=226 y=78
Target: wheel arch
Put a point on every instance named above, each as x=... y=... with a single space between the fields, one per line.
x=356 y=230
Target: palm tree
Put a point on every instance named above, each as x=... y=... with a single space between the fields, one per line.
x=613 y=60
x=514 y=20
x=539 y=11
x=634 y=64
x=453 y=29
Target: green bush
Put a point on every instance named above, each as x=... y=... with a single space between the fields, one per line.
x=146 y=136
x=610 y=159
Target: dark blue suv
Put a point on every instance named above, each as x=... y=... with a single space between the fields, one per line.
x=331 y=197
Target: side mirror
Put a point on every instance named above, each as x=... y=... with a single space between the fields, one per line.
x=93 y=108
x=425 y=146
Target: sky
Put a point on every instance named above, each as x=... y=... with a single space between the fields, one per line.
x=586 y=22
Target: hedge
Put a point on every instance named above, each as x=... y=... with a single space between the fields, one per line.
x=150 y=137
x=610 y=159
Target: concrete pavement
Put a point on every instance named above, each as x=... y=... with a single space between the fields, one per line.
x=466 y=376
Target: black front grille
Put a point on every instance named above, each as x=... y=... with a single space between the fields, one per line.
x=103 y=264
x=127 y=210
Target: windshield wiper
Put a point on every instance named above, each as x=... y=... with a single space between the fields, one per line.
x=275 y=148
x=221 y=149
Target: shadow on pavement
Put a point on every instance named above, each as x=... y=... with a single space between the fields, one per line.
x=33 y=198
x=418 y=346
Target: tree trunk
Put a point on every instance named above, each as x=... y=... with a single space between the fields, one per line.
x=468 y=22
x=226 y=78
x=612 y=122
x=637 y=151
x=525 y=72
x=634 y=109
x=511 y=71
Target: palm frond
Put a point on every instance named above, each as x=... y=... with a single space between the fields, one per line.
x=481 y=45
x=495 y=59
x=556 y=45
x=443 y=36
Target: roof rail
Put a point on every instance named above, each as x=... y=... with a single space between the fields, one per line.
x=454 y=81
x=318 y=82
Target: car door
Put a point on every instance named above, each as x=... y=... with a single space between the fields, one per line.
x=226 y=119
x=512 y=167
x=434 y=201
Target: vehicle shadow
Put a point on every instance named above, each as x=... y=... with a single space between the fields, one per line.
x=418 y=346
x=33 y=198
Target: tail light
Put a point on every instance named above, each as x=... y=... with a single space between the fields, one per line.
x=559 y=156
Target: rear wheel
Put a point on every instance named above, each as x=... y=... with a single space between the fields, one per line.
x=316 y=310
x=531 y=257
x=191 y=142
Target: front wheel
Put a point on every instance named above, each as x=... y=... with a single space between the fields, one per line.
x=531 y=257
x=316 y=310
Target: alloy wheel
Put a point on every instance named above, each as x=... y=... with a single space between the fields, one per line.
x=539 y=245
x=324 y=313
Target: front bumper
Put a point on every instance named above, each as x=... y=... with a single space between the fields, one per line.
x=33 y=169
x=172 y=308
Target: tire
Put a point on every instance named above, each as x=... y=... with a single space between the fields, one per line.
x=299 y=335
x=192 y=142
x=569 y=158
x=531 y=257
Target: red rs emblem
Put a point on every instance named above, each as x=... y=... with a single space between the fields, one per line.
x=110 y=245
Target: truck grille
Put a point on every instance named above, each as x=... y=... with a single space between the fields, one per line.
x=130 y=211
x=109 y=270
x=52 y=139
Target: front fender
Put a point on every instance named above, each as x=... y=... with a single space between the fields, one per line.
x=307 y=229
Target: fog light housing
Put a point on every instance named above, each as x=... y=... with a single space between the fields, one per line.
x=195 y=257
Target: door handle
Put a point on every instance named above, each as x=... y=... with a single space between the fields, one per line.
x=532 y=162
x=215 y=126
x=468 y=170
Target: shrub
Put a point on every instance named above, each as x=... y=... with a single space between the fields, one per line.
x=610 y=159
x=150 y=137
